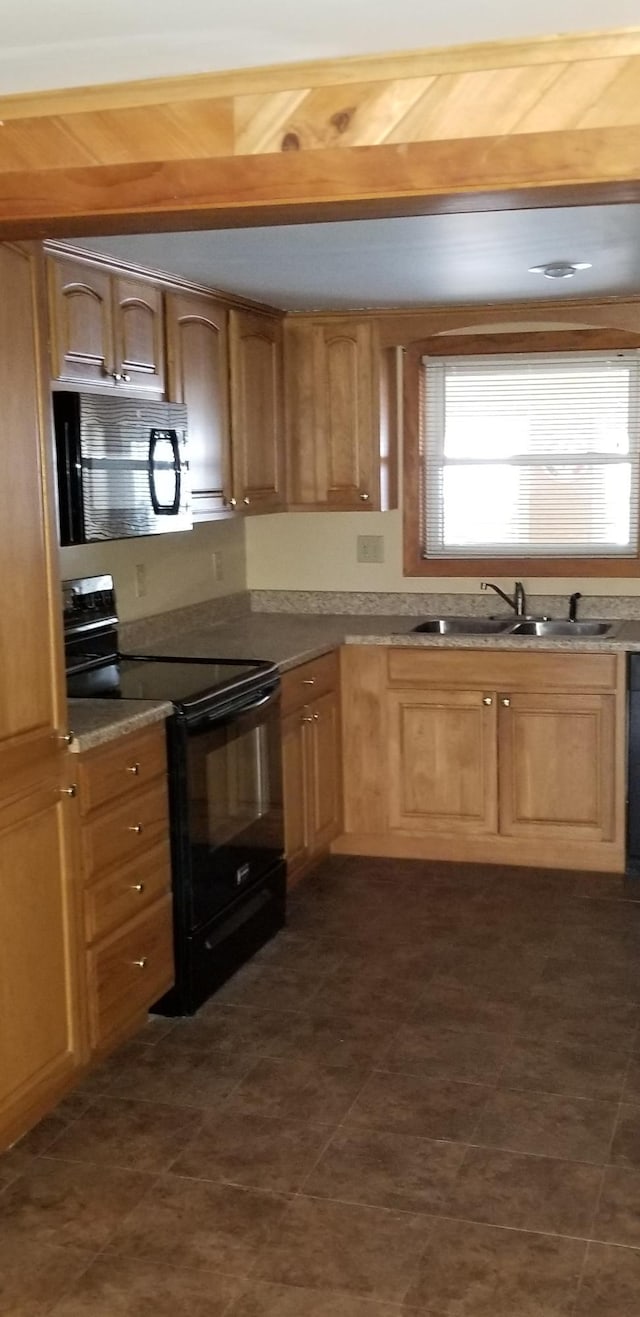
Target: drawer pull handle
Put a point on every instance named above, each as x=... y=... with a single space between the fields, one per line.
x=505 y=701
x=69 y=791
x=137 y=887
x=135 y=827
x=141 y=964
x=306 y=718
x=133 y=768
x=67 y=738
x=364 y=498
x=487 y=699
x=308 y=681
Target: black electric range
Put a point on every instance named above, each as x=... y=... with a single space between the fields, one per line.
x=225 y=786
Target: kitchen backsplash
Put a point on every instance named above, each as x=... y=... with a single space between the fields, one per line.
x=424 y=604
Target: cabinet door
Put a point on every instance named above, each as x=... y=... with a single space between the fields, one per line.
x=32 y=698
x=257 y=424
x=199 y=377
x=346 y=415
x=324 y=801
x=40 y=1042
x=80 y=314
x=557 y=766
x=295 y=789
x=138 y=334
x=442 y=761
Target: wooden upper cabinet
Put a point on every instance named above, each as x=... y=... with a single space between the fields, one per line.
x=257 y=417
x=138 y=334
x=341 y=442
x=32 y=688
x=198 y=375
x=81 y=314
x=106 y=328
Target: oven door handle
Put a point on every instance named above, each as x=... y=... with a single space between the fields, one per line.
x=237 y=706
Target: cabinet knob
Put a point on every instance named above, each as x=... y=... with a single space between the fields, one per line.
x=126 y=379
x=67 y=738
x=115 y=375
x=246 y=501
x=69 y=791
x=141 y=963
x=316 y=717
x=306 y=718
x=134 y=768
x=487 y=699
x=364 y=498
x=137 y=887
x=135 y=827
x=232 y=502
x=505 y=701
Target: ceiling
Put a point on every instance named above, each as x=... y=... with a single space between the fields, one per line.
x=431 y=259
x=72 y=43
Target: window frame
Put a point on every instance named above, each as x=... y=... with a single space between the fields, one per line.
x=449 y=345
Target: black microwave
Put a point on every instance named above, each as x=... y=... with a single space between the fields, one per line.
x=122 y=467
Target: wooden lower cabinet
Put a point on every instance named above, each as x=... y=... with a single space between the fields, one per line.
x=311 y=757
x=126 y=883
x=527 y=766
x=41 y=1036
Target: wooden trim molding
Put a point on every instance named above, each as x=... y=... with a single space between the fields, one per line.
x=571 y=339
x=500 y=124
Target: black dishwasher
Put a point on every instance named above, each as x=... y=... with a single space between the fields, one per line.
x=633 y=787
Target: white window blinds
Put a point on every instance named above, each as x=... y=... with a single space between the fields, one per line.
x=531 y=455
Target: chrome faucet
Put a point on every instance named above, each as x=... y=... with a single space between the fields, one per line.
x=519 y=601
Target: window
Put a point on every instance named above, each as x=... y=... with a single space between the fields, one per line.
x=530 y=455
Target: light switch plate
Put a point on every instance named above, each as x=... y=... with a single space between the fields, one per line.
x=370 y=548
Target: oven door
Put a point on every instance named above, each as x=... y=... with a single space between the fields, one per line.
x=230 y=819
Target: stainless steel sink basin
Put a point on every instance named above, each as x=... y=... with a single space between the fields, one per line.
x=575 y=630
x=464 y=626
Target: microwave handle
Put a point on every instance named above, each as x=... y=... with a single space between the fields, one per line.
x=70 y=499
x=165 y=509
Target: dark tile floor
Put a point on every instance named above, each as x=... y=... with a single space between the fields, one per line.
x=422 y=1099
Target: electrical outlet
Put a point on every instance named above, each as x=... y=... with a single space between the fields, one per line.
x=140 y=580
x=217 y=565
x=370 y=548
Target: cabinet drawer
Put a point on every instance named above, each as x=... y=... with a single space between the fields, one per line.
x=123 y=768
x=112 y=901
x=502 y=670
x=128 y=971
x=126 y=832
x=302 y=685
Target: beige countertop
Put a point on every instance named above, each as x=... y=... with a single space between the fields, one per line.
x=95 y=721
x=289 y=639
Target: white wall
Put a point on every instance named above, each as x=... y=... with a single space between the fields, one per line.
x=317 y=551
x=178 y=567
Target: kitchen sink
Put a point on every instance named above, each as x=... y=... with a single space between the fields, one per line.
x=575 y=630
x=464 y=626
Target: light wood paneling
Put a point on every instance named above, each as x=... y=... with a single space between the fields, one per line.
x=308 y=681
x=128 y=970
x=324 y=773
x=123 y=893
x=81 y=322
x=139 y=334
x=363 y=678
x=513 y=117
x=124 y=767
x=125 y=832
x=502 y=669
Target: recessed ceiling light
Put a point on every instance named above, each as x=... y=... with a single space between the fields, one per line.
x=560 y=269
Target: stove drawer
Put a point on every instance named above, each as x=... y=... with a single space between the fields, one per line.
x=113 y=900
x=128 y=971
x=126 y=832
x=124 y=767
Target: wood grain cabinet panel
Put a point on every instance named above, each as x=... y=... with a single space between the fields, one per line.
x=128 y=971
x=557 y=766
x=198 y=376
x=41 y=1045
x=257 y=415
x=106 y=328
x=442 y=759
x=139 y=334
x=312 y=762
x=341 y=417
